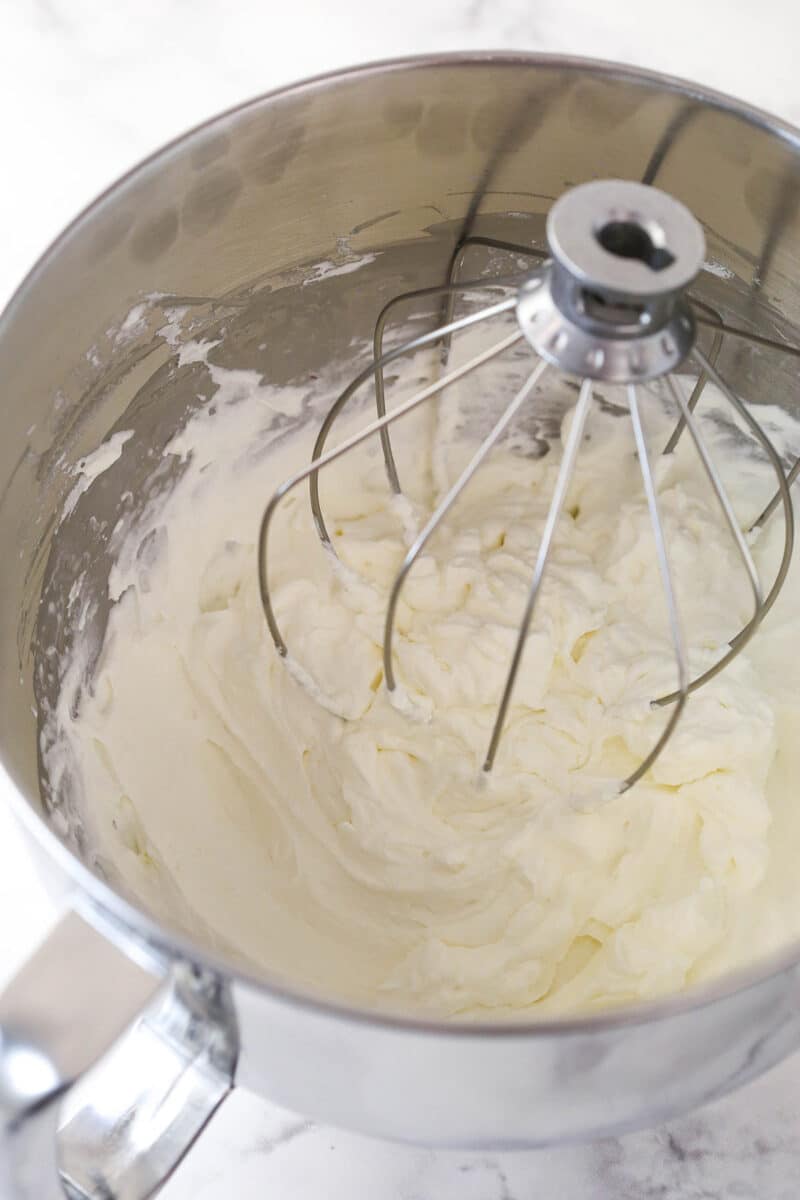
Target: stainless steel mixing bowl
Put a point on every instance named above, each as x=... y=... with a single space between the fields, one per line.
x=404 y=158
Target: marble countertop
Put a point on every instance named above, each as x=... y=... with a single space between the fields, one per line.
x=87 y=89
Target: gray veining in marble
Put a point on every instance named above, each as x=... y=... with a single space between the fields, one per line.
x=746 y=1147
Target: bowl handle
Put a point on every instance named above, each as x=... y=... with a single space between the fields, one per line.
x=157 y=1056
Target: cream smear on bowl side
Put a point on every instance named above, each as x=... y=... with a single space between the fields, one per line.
x=351 y=847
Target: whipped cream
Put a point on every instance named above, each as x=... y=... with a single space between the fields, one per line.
x=313 y=827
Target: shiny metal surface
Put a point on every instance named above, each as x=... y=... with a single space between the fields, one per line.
x=555 y=326
x=137 y=1113
x=157 y=1059
x=704 y=454
x=320 y=460
x=565 y=472
x=662 y=554
x=612 y=306
x=625 y=240
x=219 y=222
x=609 y=304
x=445 y=504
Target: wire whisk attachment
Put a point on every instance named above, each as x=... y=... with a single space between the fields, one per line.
x=610 y=305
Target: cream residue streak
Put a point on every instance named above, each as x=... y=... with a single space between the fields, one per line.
x=99 y=461
x=364 y=857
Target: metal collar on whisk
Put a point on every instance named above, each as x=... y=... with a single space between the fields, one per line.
x=609 y=305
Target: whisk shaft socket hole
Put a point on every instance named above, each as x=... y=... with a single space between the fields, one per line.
x=631 y=239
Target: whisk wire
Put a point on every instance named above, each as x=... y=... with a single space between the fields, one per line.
x=565 y=472
x=745 y=335
x=767 y=512
x=377 y=349
x=319 y=461
x=704 y=314
x=597 y=314
x=417 y=343
x=783 y=486
x=489 y=243
x=719 y=490
x=442 y=509
x=713 y=320
x=676 y=632
x=738 y=643
x=697 y=391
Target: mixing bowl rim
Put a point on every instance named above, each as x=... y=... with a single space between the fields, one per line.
x=140 y=931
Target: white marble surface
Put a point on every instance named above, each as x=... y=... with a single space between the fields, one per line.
x=86 y=88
